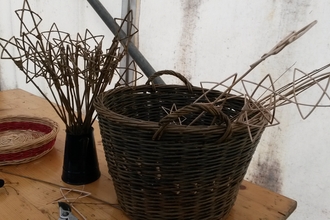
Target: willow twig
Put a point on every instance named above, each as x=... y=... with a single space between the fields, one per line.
x=76 y=70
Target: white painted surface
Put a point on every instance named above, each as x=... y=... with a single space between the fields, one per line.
x=210 y=40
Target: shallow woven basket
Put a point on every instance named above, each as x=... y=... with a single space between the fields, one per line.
x=164 y=170
x=24 y=138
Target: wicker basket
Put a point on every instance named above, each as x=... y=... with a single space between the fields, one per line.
x=24 y=138
x=164 y=169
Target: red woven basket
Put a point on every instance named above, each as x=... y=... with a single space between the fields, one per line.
x=25 y=138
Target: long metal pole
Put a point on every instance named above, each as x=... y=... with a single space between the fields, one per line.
x=132 y=50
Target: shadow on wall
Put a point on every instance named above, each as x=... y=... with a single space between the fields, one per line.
x=186 y=56
x=268 y=173
x=266 y=169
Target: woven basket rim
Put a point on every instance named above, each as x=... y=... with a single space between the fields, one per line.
x=152 y=125
x=34 y=143
x=99 y=104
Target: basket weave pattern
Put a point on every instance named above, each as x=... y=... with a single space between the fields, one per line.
x=25 y=138
x=186 y=174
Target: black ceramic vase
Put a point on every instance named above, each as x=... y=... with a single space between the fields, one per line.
x=80 y=165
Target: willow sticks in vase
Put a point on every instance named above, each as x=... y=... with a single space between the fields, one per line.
x=75 y=70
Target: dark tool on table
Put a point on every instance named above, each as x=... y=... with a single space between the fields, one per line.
x=65 y=212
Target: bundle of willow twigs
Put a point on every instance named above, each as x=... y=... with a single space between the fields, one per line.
x=264 y=106
x=75 y=70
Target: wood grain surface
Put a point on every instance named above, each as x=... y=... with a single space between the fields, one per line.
x=32 y=189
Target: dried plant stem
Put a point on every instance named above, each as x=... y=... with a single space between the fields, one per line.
x=278 y=47
x=75 y=70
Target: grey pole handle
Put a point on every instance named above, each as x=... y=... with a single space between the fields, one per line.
x=132 y=50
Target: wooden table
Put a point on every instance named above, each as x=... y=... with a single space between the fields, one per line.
x=31 y=189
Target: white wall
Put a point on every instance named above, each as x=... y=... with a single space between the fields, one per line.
x=210 y=40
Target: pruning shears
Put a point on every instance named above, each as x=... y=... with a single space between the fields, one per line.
x=65 y=212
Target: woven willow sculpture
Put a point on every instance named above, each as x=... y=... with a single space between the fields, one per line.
x=76 y=69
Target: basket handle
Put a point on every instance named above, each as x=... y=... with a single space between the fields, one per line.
x=195 y=107
x=172 y=73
